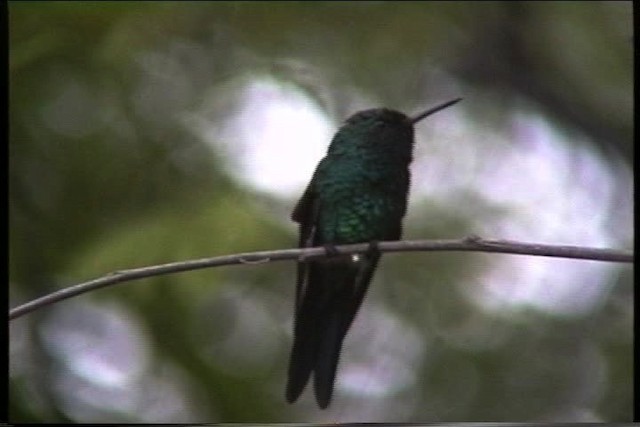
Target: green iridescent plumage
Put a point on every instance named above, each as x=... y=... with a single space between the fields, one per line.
x=358 y=193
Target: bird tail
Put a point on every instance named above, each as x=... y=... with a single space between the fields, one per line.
x=333 y=295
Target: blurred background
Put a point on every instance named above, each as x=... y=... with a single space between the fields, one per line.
x=142 y=133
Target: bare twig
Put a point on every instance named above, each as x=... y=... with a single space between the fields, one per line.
x=470 y=244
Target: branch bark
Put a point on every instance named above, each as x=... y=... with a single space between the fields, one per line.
x=469 y=244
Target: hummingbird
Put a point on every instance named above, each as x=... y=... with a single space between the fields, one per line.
x=358 y=194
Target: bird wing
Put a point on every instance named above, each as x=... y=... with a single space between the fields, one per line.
x=303 y=352
x=305 y=213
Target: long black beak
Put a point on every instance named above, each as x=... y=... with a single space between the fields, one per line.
x=430 y=111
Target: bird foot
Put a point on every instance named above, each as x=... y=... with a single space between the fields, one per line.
x=373 y=248
x=330 y=250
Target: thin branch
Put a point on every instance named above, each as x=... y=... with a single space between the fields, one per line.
x=469 y=244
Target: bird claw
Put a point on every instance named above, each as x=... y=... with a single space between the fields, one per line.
x=330 y=250
x=373 y=248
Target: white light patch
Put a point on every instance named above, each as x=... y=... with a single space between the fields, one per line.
x=553 y=192
x=281 y=135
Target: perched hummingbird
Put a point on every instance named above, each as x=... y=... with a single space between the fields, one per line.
x=358 y=193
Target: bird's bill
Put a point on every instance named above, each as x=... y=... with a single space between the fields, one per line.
x=433 y=110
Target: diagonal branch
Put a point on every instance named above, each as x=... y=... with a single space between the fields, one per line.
x=469 y=244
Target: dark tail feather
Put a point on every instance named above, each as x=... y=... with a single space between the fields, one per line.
x=300 y=367
x=305 y=333
x=330 y=345
x=332 y=298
